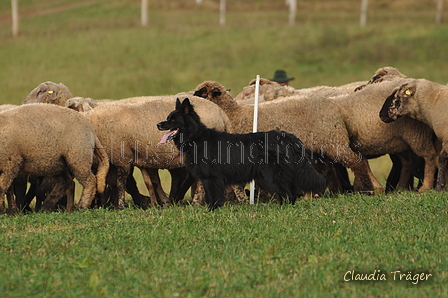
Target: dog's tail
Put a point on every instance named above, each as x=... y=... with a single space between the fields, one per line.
x=309 y=180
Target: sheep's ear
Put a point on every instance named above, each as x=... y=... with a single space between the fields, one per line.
x=388 y=104
x=201 y=93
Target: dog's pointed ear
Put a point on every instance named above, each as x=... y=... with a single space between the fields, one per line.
x=186 y=106
x=178 y=104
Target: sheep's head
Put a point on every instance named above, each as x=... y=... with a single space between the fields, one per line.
x=81 y=104
x=266 y=86
x=212 y=91
x=49 y=92
x=398 y=103
x=382 y=74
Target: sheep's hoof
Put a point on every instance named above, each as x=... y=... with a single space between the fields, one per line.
x=438 y=188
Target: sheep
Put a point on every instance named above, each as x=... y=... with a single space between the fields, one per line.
x=130 y=135
x=376 y=138
x=400 y=164
x=59 y=94
x=42 y=140
x=424 y=101
x=270 y=90
x=321 y=131
x=6 y=107
x=383 y=74
x=49 y=92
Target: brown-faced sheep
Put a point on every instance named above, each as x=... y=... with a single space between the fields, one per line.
x=43 y=140
x=130 y=136
x=49 y=92
x=425 y=101
x=321 y=131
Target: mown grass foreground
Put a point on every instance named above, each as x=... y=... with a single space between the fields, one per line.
x=316 y=248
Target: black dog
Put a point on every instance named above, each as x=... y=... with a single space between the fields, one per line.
x=275 y=160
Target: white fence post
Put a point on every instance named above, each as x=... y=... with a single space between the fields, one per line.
x=15 y=17
x=363 y=18
x=222 y=12
x=439 y=11
x=144 y=14
x=254 y=129
x=292 y=11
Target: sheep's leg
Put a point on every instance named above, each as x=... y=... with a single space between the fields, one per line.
x=88 y=190
x=19 y=185
x=441 y=182
x=361 y=171
x=149 y=186
x=376 y=184
x=405 y=174
x=70 y=196
x=198 y=194
x=395 y=172
x=60 y=187
x=239 y=193
x=160 y=194
x=429 y=173
x=132 y=189
x=121 y=186
x=110 y=194
x=11 y=171
x=12 y=205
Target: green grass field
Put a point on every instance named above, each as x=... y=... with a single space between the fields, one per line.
x=99 y=50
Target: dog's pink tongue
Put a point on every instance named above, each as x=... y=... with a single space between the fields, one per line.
x=166 y=136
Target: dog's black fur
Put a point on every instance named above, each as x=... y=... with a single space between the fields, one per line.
x=275 y=159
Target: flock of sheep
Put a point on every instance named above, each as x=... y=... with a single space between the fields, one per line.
x=54 y=137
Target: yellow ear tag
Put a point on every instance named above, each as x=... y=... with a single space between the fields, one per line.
x=408 y=92
x=50 y=92
x=90 y=108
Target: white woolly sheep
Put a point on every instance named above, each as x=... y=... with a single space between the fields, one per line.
x=43 y=140
x=427 y=102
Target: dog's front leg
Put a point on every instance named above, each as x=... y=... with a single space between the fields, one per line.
x=214 y=192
